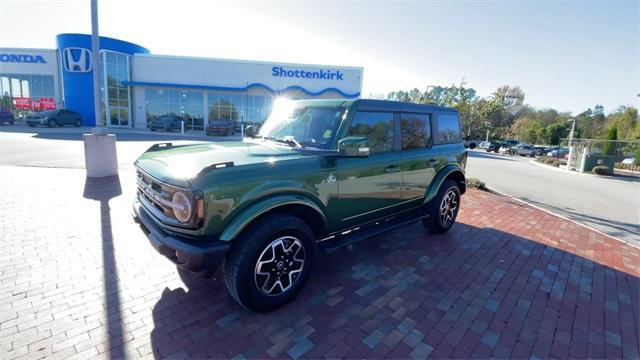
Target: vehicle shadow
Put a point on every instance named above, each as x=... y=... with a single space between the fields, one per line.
x=408 y=281
x=103 y=190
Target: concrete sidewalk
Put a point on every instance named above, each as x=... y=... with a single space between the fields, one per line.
x=80 y=280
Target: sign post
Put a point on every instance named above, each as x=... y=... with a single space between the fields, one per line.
x=100 y=155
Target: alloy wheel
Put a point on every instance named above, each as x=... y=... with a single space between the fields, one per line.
x=279 y=266
x=448 y=207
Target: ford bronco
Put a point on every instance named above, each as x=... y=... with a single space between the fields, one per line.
x=318 y=174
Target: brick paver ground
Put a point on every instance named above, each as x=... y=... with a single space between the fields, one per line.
x=78 y=279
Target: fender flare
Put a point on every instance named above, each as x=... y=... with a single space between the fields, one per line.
x=241 y=220
x=440 y=178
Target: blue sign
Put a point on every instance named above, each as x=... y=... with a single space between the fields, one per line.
x=21 y=58
x=299 y=73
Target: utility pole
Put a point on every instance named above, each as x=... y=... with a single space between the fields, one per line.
x=95 y=61
x=100 y=157
x=571 y=151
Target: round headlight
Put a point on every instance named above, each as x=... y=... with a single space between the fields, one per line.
x=183 y=209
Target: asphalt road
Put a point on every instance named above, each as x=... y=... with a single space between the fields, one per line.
x=608 y=204
x=611 y=205
x=63 y=147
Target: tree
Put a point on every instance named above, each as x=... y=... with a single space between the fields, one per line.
x=609 y=147
x=555 y=132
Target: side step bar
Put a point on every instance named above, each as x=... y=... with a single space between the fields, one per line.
x=367 y=231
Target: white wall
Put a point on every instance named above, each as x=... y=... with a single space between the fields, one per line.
x=237 y=73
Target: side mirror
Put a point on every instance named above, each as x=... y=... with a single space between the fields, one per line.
x=250 y=131
x=354 y=146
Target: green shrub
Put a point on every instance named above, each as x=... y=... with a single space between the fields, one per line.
x=476 y=183
x=609 y=147
x=637 y=156
x=600 y=170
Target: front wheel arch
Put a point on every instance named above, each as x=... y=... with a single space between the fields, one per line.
x=298 y=206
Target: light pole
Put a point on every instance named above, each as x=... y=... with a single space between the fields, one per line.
x=100 y=156
x=488 y=126
x=573 y=127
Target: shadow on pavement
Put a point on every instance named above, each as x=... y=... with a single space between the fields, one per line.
x=493 y=292
x=103 y=190
x=617 y=229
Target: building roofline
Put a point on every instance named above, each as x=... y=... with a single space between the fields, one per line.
x=246 y=61
x=24 y=49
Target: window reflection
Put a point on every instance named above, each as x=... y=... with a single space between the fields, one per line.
x=415 y=131
x=377 y=126
x=448 y=128
x=187 y=105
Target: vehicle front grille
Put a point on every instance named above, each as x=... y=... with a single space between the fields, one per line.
x=156 y=195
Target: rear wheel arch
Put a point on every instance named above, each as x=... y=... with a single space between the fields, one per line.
x=448 y=173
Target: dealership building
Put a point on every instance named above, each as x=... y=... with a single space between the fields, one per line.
x=138 y=87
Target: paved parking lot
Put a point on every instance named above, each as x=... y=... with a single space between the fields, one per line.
x=608 y=204
x=79 y=280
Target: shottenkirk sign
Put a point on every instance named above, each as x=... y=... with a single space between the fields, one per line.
x=299 y=73
x=22 y=58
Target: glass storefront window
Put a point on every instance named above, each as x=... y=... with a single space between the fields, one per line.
x=33 y=87
x=185 y=104
x=118 y=94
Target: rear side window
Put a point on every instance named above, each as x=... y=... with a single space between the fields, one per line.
x=416 y=131
x=448 y=128
x=377 y=126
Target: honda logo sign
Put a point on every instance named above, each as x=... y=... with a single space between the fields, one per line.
x=76 y=59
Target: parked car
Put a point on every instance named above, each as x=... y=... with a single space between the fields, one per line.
x=220 y=127
x=494 y=146
x=166 y=123
x=484 y=144
x=540 y=150
x=558 y=152
x=525 y=150
x=471 y=144
x=629 y=160
x=53 y=118
x=506 y=149
x=320 y=173
x=6 y=117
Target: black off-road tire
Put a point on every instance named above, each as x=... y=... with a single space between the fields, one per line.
x=435 y=222
x=52 y=123
x=240 y=263
x=78 y=123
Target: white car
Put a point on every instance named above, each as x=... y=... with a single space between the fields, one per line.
x=629 y=160
x=484 y=144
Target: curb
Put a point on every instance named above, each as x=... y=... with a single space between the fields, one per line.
x=584 y=173
x=498 y=192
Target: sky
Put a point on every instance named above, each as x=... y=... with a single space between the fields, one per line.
x=566 y=55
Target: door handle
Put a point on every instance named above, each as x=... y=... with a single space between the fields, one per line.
x=392 y=169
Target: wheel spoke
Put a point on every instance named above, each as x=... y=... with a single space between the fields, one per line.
x=279 y=265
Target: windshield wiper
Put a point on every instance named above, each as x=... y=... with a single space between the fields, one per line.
x=289 y=140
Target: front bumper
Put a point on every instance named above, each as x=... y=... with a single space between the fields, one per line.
x=200 y=258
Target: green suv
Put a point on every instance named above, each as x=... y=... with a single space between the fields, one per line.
x=318 y=174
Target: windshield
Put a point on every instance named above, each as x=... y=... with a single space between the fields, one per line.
x=302 y=125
